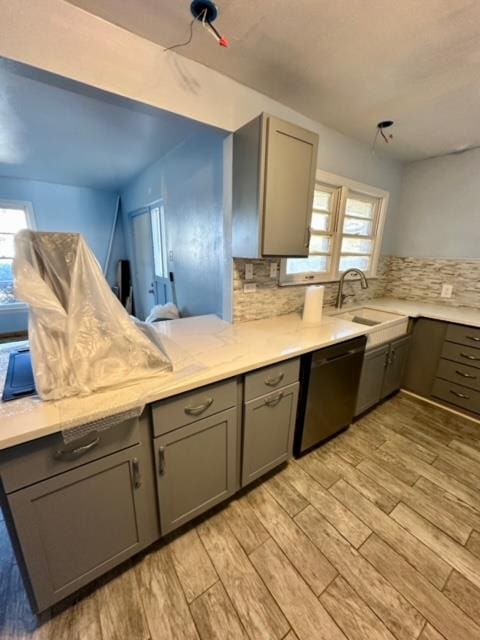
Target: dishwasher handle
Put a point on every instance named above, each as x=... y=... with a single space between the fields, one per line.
x=345 y=354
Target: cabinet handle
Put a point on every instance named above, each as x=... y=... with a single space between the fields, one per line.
x=469 y=357
x=137 y=476
x=465 y=375
x=161 y=461
x=196 y=411
x=273 y=381
x=79 y=451
x=308 y=235
x=272 y=402
x=474 y=338
x=459 y=395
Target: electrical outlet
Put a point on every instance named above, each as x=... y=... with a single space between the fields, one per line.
x=249 y=271
x=249 y=288
x=273 y=270
x=447 y=290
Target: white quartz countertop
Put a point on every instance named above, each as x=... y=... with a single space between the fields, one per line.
x=415 y=309
x=203 y=349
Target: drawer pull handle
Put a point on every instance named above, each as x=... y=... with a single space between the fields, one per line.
x=79 y=451
x=137 y=476
x=465 y=375
x=161 y=461
x=196 y=411
x=459 y=395
x=474 y=338
x=272 y=402
x=272 y=381
x=469 y=357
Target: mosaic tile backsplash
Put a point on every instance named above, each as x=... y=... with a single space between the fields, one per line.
x=405 y=278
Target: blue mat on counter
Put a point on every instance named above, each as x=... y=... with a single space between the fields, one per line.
x=19 y=381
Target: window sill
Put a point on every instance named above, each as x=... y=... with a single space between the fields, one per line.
x=9 y=307
x=335 y=280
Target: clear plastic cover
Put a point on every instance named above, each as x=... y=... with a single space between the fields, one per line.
x=81 y=338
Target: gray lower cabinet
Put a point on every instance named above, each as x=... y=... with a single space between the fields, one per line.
x=269 y=423
x=382 y=373
x=427 y=338
x=197 y=467
x=371 y=378
x=77 y=525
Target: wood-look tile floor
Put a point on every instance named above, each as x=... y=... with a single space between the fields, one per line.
x=376 y=535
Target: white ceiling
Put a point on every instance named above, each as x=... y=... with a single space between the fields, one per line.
x=345 y=63
x=57 y=130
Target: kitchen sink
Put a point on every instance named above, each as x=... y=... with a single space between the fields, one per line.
x=384 y=326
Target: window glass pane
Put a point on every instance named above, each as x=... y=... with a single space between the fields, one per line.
x=356 y=245
x=320 y=221
x=322 y=200
x=354 y=262
x=6 y=281
x=362 y=208
x=305 y=265
x=6 y=245
x=158 y=244
x=319 y=244
x=357 y=227
x=12 y=220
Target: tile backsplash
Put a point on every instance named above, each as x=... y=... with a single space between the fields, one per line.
x=405 y=278
x=270 y=299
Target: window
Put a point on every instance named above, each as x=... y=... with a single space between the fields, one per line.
x=14 y=216
x=345 y=231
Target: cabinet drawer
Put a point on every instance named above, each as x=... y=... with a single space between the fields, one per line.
x=463 y=335
x=268 y=429
x=46 y=457
x=457 y=395
x=189 y=407
x=260 y=382
x=461 y=353
x=459 y=373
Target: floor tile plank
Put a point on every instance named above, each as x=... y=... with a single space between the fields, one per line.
x=455 y=554
x=351 y=613
x=469 y=452
x=351 y=527
x=245 y=525
x=307 y=616
x=215 y=617
x=390 y=606
x=255 y=607
x=192 y=564
x=429 y=633
x=311 y=564
x=430 y=602
x=321 y=473
x=414 y=551
x=473 y=543
x=464 y=594
x=450 y=503
x=286 y=496
x=166 y=609
x=460 y=473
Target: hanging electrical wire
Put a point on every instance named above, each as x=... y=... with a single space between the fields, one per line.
x=384 y=124
x=204 y=11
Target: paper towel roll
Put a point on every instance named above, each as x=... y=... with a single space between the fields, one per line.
x=313 y=305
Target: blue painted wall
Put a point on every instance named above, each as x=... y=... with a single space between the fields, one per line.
x=67 y=208
x=189 y=181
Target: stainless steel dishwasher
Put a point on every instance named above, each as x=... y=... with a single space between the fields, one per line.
x=328 y=391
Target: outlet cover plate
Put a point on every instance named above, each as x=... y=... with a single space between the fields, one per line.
x=273 y=270
x=249 y=271
x=251 y=287
x=447 y=290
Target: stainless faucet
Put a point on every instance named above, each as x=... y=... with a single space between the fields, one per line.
x=342 y=296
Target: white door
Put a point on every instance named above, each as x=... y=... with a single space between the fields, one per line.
x=144 y=293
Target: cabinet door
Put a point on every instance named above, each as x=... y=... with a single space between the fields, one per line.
x=371 y=378
x=78 y=525
x=425 y=348
x=396 y=365
x=268 y=429
x=291 y=157
x=196 y=468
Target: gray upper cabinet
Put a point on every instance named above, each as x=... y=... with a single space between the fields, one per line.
x=274 y=165
x=73 y=527
x=197 y=467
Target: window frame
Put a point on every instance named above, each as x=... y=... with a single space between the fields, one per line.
x=27 y=206
x=345 y=186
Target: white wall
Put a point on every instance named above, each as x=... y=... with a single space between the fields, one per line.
x=439 y=212
x=59 y=37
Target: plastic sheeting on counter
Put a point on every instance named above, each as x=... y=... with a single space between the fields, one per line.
x=81 y=338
